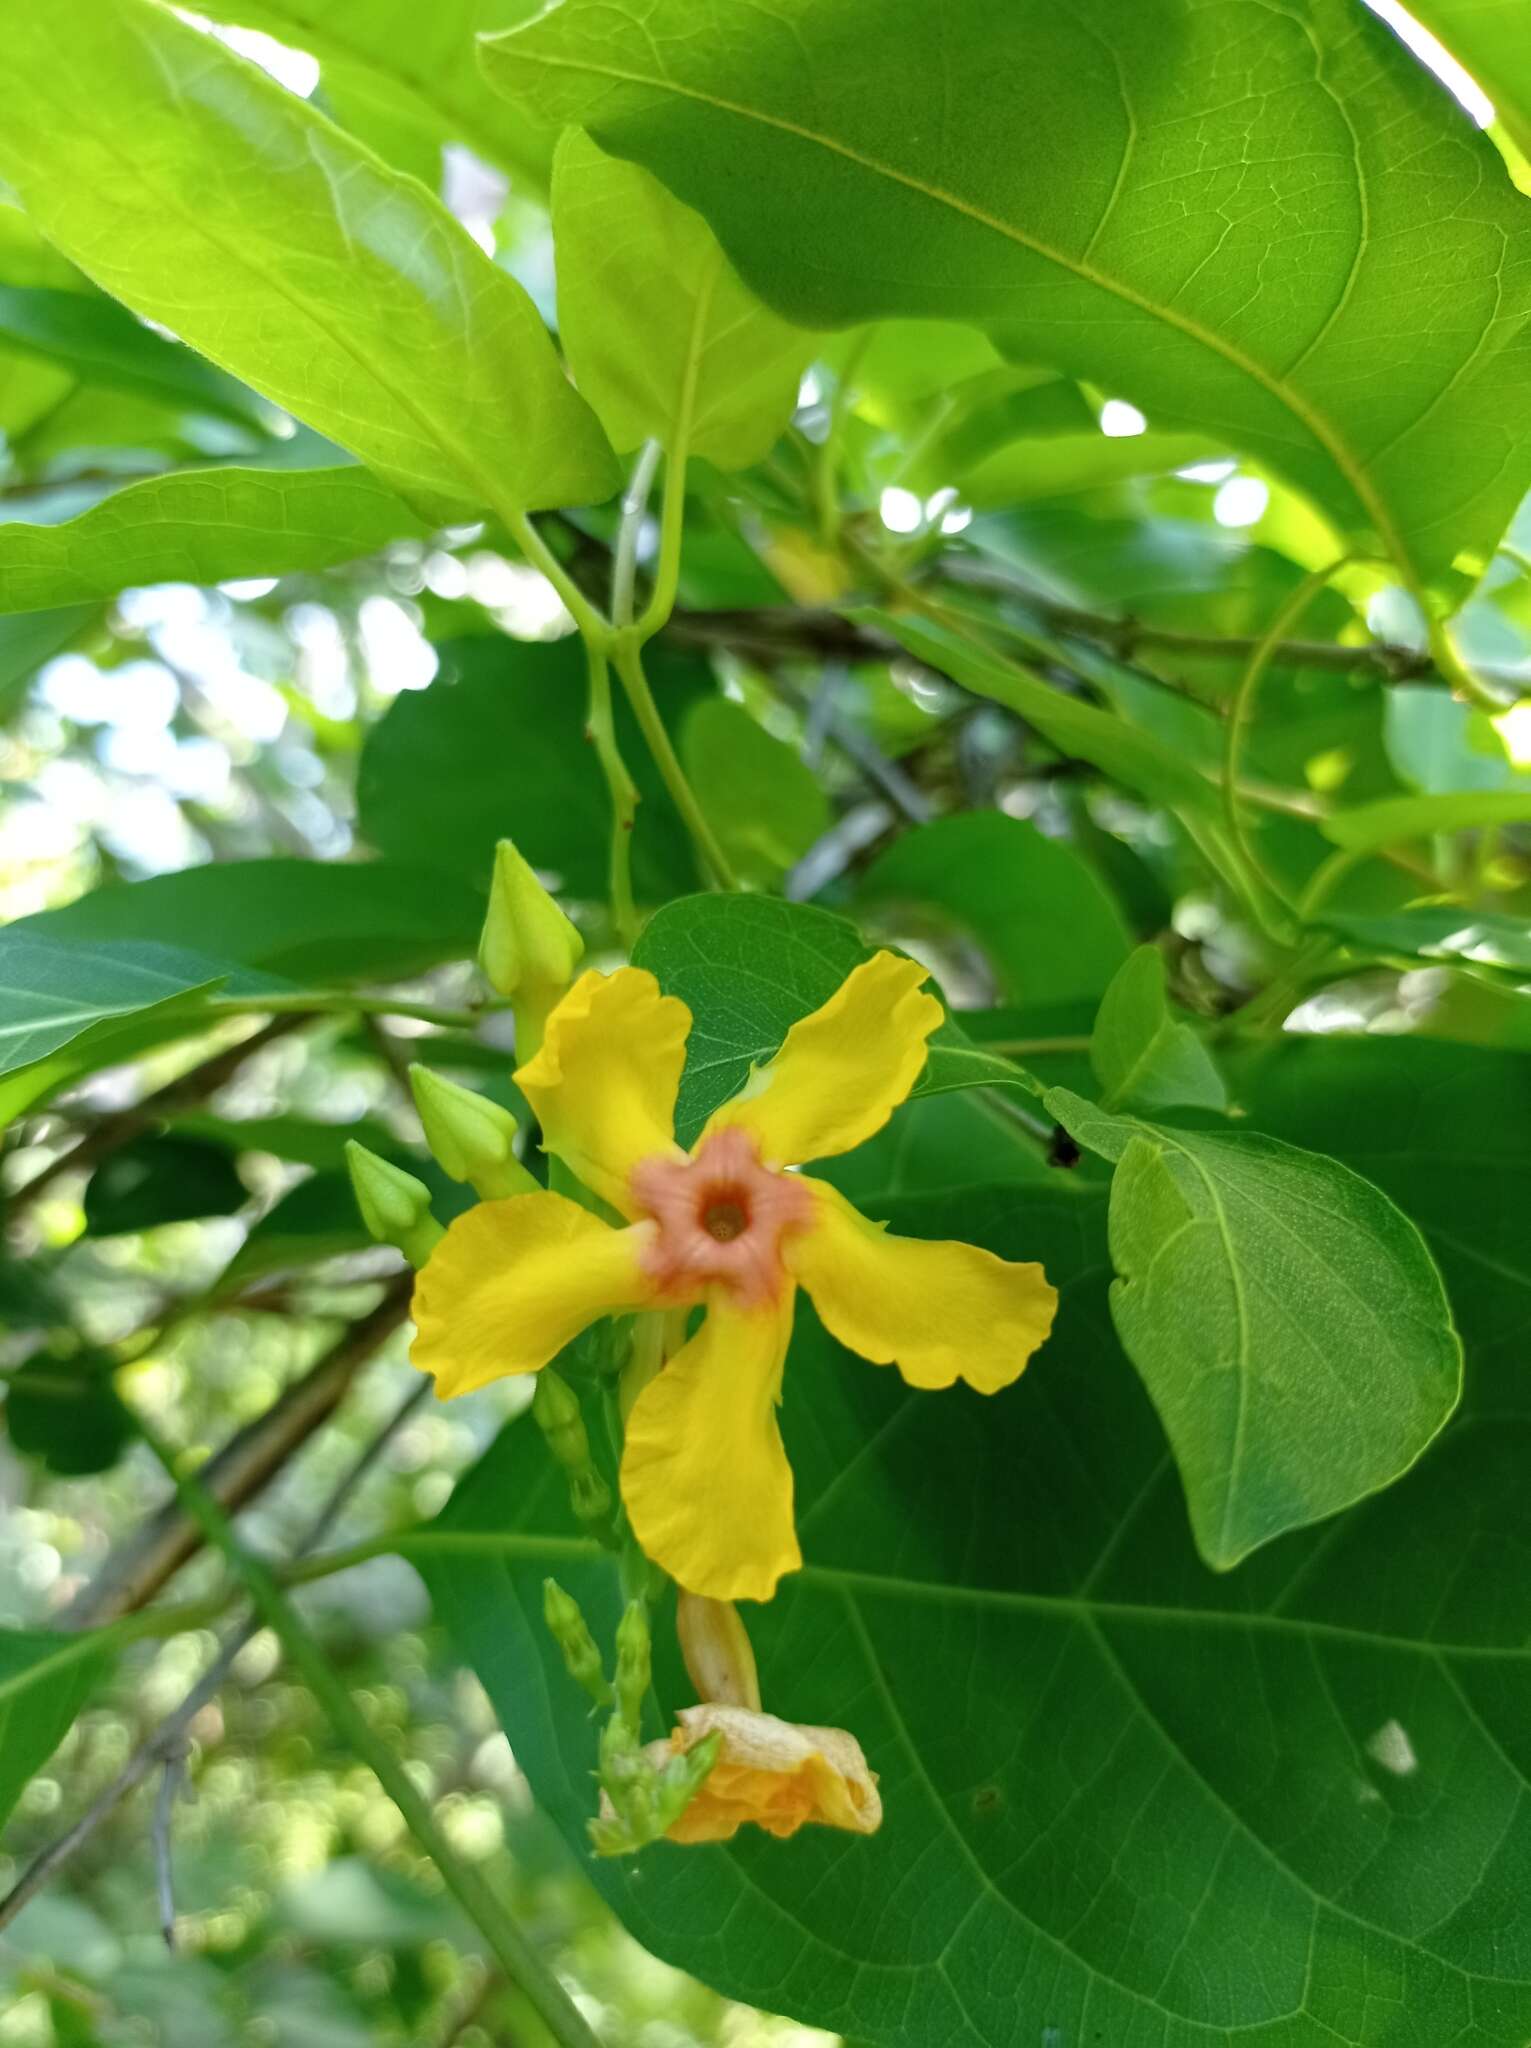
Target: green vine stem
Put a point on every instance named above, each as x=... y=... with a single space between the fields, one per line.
x=623 y=792
x=516 y=1955
x=629 y=661
x=635 y=501
x=1241 y=710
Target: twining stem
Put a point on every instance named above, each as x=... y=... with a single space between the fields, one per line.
x=635 y=502
x=623 y=791
x=520 y=1960
x=629 y=661
x=1241 y=709
x=672 y=520
x=541 y=556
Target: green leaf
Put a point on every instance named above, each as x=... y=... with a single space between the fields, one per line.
x=318 y=923
x=1287 y=1321
x=416 y=65
x=313 y=1221
x=1127 y=1799
x=99 y=341
x=67 y=1414
x=1488 y=38
x=297 y=1138
x=200 y=193
x=765 y=805
x=665 y=340
x=861 y=159
x=496 y=746
x=161 y=1179
x=747 y=968
x=1441 y=932
x=1078 y=730
x=54 y=990
x=44 y=1682
x=27 y=642
x=201 y=526
x=1398 y=818
x=1141 y=1054
x=1051 y=932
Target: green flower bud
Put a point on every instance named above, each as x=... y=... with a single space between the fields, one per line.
x=529 y=949
x=472 y=1138
x=571 y=1632
x=589 y=1496
x=395 y=1207
x=557 y=1413
x=633 y=1663
x=682 y=1778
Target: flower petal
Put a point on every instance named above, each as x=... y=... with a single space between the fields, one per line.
x=705 y=1479
x=777 y=1774
x=605 y=1081
x=841 y=1072
x=939 y=1310
x=512 y=1282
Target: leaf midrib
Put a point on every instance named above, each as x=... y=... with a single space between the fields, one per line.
x=1314 y=421
x=1085 y=1609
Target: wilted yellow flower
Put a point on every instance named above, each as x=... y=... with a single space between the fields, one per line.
x=774 y=1773
x=705 y=1479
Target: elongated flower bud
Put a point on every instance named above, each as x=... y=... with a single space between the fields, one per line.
x=569 y=1629
x=529 y=950
x=472 y=1138
x=395 y=1207
x=719 y=1659
x=556 y=1412
x=632 y=1664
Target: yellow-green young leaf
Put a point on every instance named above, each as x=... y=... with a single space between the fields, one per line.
x=1287 y=1320
x=416 y=66
x=763 y=803
x=201 y=526
x=1142 y=1055
x=666 y=341
x=1263 y=223
x=200 y=193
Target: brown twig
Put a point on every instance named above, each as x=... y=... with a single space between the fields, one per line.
x=166 y=1745
x=248 y=1462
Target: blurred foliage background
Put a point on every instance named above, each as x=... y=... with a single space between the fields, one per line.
x=403 y=705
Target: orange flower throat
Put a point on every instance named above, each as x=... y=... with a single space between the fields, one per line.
x=721 y=1218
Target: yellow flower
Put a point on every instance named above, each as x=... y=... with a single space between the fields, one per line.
x=705 y=1479
x=775 y=1773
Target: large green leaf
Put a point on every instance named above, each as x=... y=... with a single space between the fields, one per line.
x=496 y=745
x=53 y=989
x=27 y=642
x=1128 y=1800
x=201 y=526
x=1250 y=238
x=419 y=65
x=1489 y=39
x=1285 y=1316
x=665 y=339
x=315 y=922
x=44 y=1682
x=1051 y=932
x=764 y=802
x=99 y=341
x=1142 y=1054
x=1446 y=1131
x=199 y=192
